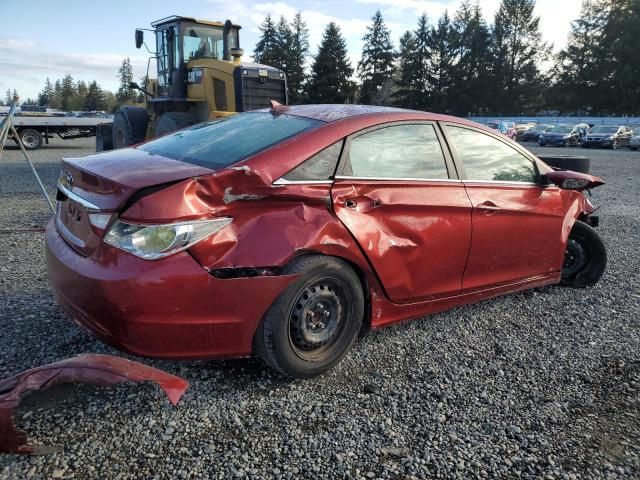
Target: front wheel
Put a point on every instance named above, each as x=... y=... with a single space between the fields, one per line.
x=314 y=323
x=614 y=145
x=585 y=258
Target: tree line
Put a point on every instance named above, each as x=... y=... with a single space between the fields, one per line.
x=463 y=65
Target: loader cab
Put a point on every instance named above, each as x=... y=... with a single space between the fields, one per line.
x=180 y=40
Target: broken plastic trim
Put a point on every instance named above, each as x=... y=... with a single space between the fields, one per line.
x=93 y=369
x=246 y=272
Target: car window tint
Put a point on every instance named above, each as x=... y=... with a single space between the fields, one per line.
x=486 y=158
x=401 y=151
x=319 y=167
x=220 y=143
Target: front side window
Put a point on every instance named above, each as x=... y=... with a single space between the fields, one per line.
x=487 y=158
x=221 y=143
x=401 y=151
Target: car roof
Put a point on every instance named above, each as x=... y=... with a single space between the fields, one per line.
x=364 y=115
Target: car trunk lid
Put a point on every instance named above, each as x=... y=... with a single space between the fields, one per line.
x=92 y=189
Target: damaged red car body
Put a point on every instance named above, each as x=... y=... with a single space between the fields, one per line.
x=281 y=232
x=93 y=369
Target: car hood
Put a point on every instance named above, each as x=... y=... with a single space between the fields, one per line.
x=109 y=179
x=555 y=134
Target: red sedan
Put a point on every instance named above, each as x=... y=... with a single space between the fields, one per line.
x=283 y=232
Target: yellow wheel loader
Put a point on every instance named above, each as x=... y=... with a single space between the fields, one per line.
x=200 y=77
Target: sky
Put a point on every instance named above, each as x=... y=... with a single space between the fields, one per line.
x=88 y=39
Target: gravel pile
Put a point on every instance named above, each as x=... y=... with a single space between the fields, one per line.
x=539 y=384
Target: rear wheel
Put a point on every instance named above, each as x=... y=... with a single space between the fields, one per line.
x=31 y=139
x=172 y=121
x=585 y=258
x=315 y=321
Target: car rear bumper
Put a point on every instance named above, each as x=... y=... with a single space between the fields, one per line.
x=170 y=308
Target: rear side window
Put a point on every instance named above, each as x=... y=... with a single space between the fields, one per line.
x=487 y=158
x=400 y=151
x=319 y=167
x=221 y=143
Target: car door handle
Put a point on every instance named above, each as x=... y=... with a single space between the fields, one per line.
x=488 y=207
x=362 y=203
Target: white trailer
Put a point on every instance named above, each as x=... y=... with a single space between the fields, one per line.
x=36 y=130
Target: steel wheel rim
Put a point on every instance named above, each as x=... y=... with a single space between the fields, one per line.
x=576 y=258
x=317 y=318
x=30 y=140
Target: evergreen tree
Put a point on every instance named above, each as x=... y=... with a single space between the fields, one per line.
x=405 y=93
x=518 y=51
x=376 y=66
x=331 y=71
x=81 y=93
x=94 y=99
x=46 y=95
x=67 y=93
x=621 y=42
x=56 y=99
x=267 y=49
x=125 y=73
x=284 y=40
x=441 y=65
x=470 y=77
x=298 y=51
x=414 y=77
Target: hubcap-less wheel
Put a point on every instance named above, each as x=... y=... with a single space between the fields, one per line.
x=30 y=140
x=316 y=319
x=576 y=258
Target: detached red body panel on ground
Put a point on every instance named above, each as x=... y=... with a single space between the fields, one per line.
x=92 y=369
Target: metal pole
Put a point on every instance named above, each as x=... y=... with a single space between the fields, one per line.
x=4 y=133
x=33 y=169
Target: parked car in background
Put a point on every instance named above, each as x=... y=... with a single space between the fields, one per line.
x=159 y=249
x=608 y=136
x=563 y=135
x=505 y=127
x=634 y=143
x=532 y=134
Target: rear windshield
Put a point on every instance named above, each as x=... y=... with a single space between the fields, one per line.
x=221 y=143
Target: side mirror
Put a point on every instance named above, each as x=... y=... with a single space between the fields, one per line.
x=139 y=38
x=568 y=180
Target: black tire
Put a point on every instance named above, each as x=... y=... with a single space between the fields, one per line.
x=129 y=126
x=633 y=148
x=172 y=121
x=614 y=145
x=31 y=139
x=567 y=162
x=585 y=258
x=104 y=137
x=287 y=339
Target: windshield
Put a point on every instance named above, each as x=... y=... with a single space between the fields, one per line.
x=601 y=129
x=561 y=129
x=221 y=143
x=200 y=41
x=540 y=128
x=636 y=131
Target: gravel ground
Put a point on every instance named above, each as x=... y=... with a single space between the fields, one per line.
x=539 y=384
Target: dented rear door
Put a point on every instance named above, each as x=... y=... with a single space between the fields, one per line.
x=398 y=195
